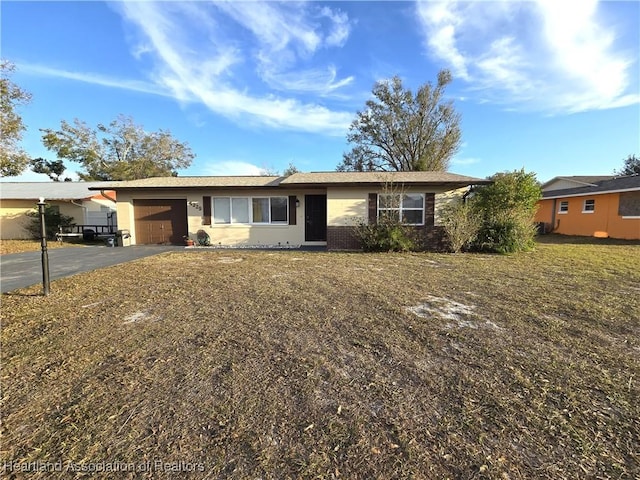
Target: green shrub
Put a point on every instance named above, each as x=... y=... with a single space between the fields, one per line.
x=387 y=235
x=53 y=220
x=507 y=208
x=506 y=236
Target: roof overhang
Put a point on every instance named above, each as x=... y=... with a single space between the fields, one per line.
x=589 y=194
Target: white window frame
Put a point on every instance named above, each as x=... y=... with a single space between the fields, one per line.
x=592 y=203
x=250 y=207
x=401 y=208
x=565 y=210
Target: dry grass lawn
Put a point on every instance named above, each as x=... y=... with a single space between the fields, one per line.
x=21 y=246
x=278 y=365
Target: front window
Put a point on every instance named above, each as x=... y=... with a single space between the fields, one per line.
x=248 y=210
x=407 y=208
x=589 y=206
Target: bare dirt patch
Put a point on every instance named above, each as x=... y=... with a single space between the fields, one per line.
x=273 y=368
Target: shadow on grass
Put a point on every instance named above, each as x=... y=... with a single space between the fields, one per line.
x=18 y=294
x=557 y=239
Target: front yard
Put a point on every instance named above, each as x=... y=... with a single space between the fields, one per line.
x=259 y=364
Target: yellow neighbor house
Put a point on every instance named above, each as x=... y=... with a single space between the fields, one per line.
x=304 y=209
x=75 y=199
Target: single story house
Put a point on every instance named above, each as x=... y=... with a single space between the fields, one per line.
x=75 y=199
x=609 y=207
x=310 y=209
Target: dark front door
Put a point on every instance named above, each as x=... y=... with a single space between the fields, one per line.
x=160 y=221
x=315 y=214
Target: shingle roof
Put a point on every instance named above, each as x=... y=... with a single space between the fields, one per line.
x=354 y=178
x=189 y=182
x=49 y=190
x=584 y=179
x=616 y=184
x=302 y=179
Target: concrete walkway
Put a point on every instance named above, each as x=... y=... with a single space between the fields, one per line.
x=20 y=270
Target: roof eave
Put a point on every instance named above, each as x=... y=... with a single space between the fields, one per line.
x=583 y=194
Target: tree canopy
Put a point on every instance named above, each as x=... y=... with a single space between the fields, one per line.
x=290 y=170
x=120 y=150
x=400 y=131
x=13 y=160
x=631 y=166
x=51 y=168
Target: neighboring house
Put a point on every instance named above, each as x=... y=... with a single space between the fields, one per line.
x=302 y=209
x=609 y=207
x=87 y=207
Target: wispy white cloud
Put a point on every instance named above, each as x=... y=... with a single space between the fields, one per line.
x=230 y=167
x=320 y=81
x=95 y=79
x=202 y=63
x=546 y=55
x=287 y=34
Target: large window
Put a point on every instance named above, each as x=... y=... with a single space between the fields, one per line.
x=408 y=208
x=247 y=210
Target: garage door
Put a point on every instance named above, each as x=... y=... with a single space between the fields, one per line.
x=160 y=221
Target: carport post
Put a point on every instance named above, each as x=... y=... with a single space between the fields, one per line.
x=43 y=244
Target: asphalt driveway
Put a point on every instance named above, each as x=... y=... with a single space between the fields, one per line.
x=19 y=270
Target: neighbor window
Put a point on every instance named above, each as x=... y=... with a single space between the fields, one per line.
x=564 y=207
x=589 y=206
x=247 y=210
x=408 y=208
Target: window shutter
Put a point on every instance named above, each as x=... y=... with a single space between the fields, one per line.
x=292 y=210
x=429 y=209
x=373 y=208
x=206 y=210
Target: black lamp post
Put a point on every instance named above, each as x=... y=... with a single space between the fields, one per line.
x=43 y=244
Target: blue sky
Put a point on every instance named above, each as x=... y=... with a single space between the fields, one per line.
x=551 y=86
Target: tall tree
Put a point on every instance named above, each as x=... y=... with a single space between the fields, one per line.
x=13 y=160
x=121 y=150
x=399 y=131
x=631 y=166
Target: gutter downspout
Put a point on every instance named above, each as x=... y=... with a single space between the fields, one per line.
x=107 y=196
x=467 y=193
x=110 y=217
x=553 y=215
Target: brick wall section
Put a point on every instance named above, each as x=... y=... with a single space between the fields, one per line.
x=430 y=237
x=343 y=238
x=434 y=239
x=429 y=209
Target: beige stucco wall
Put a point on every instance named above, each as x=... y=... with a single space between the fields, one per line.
x=348 y=205
x=13 y=216
x=222 y=234
x=445 y=197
